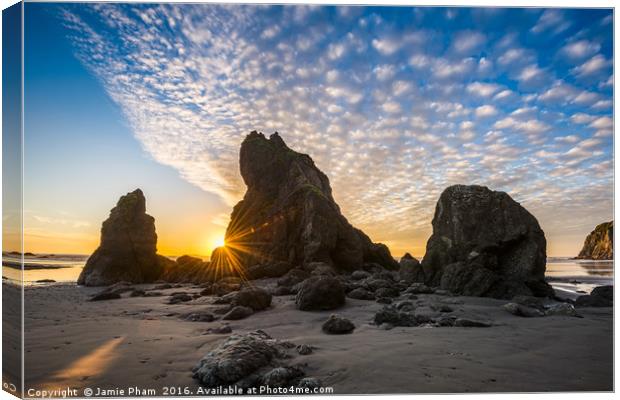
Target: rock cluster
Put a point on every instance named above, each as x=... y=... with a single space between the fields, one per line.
x=128 y=248
x=250 y=360
x=599 y=244
x=288 y=215
x=485 y=244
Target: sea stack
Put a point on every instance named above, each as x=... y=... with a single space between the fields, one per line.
x=288 y=214
x=485 y=244
x=128 y=248
x=599 y=244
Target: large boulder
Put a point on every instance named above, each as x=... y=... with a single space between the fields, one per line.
x=485 y=244
x=601 y=296
x=410 y=269
x=245 y=360
x=599 y=244
x=256 y=298
x=288 y=214
x=128 y=248
x=320 y=293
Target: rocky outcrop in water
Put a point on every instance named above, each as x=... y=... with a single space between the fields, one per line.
x=288 y=214
x=599 y=244
x=485 y=244
x=128 y=248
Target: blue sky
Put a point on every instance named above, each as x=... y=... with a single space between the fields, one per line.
x=393 y=103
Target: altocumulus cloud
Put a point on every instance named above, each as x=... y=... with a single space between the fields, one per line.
x=393 y=114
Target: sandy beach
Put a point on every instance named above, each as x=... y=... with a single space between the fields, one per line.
x=145 y=343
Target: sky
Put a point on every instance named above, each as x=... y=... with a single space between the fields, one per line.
x=394 y=104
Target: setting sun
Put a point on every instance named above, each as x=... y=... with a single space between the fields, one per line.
x=218 y=242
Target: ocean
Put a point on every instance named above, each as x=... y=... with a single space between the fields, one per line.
x=569 y=277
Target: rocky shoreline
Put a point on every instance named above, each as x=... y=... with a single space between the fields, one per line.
x=425 y=340
x=289 y=248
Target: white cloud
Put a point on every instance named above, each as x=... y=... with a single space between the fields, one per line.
x=530 y=73
x=504 y=94
x=551 y=19
x=401 y=87
x=486 y=111
x=391 y=107
x=419 y=61
x=511 y=56
x=603 y=104
x=592 y=66
x=270 y=32
x=582 y=118
x=384 y=72
x=468 y=41
x=332 y=76
x=387 y=47
x=336 y=50
x=445 y=69
x=602 y=123
x=531 y=126
x=586 y=97
x=483 y=89
x=580 y=49
x=467 y=125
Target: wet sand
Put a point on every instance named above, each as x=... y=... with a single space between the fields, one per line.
x=142 y=342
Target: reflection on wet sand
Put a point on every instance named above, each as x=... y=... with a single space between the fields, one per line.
x=92 y=364
x=598 y=268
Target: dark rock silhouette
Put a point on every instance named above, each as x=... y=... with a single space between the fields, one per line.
x=410 y=269
x=599 y=244
x=337 y=325
x=601 y=296
x=485 y=244
x=128 y=248
x=320 y=293
x=188 y=269
x=288 y=215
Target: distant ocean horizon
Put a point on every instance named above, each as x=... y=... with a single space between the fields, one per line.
x=568 y=276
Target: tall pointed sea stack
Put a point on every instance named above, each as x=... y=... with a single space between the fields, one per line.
x=599 y=244
x=485 y=244
x=128 y=248
x=288 y=213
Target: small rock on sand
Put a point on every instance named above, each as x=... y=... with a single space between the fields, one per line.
x=199 y=317
x=337 y=325
x=105 y=296
x=361 y=294
x=179 y=298
x=238 y=312
x=219 y=330
x=304 y=349
x=523 y=311
x=471 y=323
